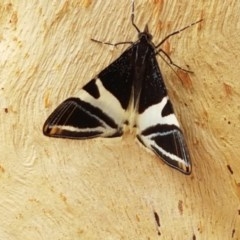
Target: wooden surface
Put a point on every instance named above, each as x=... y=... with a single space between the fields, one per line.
x=112 y=188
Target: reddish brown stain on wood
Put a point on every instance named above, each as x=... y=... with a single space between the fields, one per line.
x=14 y=19
x=2 y=170
x=185 y=78
x=180 y=206
x=227 y=89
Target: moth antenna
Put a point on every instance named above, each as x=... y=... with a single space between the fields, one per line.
x=176 y=32
x=168 y=57
x=112 y=44
x=132 y=18
x=124 y=42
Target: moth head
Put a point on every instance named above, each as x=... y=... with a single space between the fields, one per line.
x=145 y=34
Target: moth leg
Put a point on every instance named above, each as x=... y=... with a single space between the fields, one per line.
x=170 y=60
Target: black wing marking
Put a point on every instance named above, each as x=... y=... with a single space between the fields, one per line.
x=100 y=108
x=158 y=128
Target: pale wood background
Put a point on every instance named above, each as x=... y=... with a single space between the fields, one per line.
x=109 y=189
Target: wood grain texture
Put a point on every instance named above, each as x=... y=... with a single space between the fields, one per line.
x=113 y=189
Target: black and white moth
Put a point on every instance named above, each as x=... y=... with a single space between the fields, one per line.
x=130 y=91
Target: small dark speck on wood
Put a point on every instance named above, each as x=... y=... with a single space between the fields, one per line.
x=230 y=169
x=233 y=232
x=157 y=219
x=194 y=237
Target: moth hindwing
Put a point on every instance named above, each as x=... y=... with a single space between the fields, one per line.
x=132 y=84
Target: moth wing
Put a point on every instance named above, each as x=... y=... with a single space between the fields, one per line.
x=157 y=126
x=100 y=108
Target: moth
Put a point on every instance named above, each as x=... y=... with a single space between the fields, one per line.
x=130 y=91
